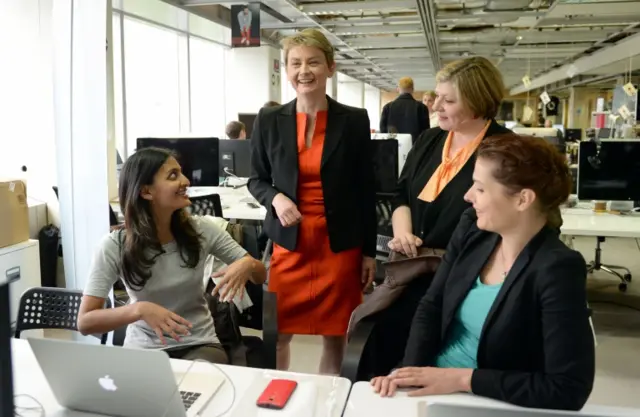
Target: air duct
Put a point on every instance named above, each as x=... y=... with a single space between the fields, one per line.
x=501 y=5
x=427 y=13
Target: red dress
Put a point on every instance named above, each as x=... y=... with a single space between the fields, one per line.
x=317 y=289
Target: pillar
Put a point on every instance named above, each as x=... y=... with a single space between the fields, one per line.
x=80 y=98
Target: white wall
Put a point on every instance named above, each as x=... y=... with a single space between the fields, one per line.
x=248 y=80
x=372 y=104
x=26 y=95
x=350 y=91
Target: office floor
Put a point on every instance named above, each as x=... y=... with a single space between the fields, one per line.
x=616 y=318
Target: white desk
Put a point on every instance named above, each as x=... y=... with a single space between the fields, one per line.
x=364 y=402
x=234 y=202
x=29 y=379
x=584 y=222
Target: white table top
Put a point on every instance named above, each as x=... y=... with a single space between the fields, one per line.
x=234 y=202
x=584 y=222
x=364 y=402
x=29 y=379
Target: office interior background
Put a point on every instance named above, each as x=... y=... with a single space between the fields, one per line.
x=70 y=113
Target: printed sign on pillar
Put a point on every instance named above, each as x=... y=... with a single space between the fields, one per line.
x=245 y=25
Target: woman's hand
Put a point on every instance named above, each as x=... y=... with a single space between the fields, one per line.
x=162 y=321
x=430 y=381
x=286 y=210
x=406 y=243
x=368 y=271
x=234 y=278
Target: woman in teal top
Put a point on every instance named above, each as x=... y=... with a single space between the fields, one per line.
x=506 y=315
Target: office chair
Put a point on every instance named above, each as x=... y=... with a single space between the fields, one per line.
x=597 y=265
x=51 y=308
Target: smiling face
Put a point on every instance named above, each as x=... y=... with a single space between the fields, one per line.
x=428 y=101
x=498 y=208
x=452 y=111
x=168 y=192
x=308 y=70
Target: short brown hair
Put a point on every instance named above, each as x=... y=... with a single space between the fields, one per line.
x=234 y=129
x=479 y=84
x=533 y=163
x=430 y=93
x=270 y=104
x=405 y=83
x=309 y=37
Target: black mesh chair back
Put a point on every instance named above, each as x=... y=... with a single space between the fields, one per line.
x=206 y=205
x=51 y=308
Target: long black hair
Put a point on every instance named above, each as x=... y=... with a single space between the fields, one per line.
x=140 y=246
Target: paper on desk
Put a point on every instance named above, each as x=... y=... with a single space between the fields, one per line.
x=241 y=302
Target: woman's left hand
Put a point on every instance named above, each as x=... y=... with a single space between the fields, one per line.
x=430 y=381
x=368 y=271
x=234 y=278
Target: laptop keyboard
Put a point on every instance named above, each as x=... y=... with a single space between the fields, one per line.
x=188 y=398
x=382 y=244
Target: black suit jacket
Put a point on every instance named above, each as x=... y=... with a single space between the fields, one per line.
x=536 y=347
x=346 y=173
x=405 y=114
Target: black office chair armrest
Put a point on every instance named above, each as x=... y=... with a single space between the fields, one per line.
x=351 y=364
x=270 y=326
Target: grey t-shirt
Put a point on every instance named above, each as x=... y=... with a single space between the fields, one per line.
x=172 y=286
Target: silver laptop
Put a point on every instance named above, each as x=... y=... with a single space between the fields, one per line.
x=455 y=410
x=122 y=382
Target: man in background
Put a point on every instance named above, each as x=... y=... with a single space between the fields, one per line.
x=405 y=114
x=236 y=130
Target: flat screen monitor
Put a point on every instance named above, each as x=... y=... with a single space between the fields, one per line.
x=235 y=158
x=247 y=119
x=198 y=157
x=385 y=164
x=573 y=135
x=6 y=372
x=606 y=133
x=609 y=171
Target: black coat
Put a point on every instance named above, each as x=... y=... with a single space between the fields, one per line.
x=536 y=347
x=405 y=114
x=347 y=174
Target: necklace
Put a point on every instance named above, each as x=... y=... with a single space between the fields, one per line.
x=504 y=264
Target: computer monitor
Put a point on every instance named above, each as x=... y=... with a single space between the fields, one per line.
x=198 y=157
x=6 y=371
x=606 y=133
x=573 y=135
x=385 y=165
x=235 y=158
x=609 y=170
x=248 y=119
x=559 y=127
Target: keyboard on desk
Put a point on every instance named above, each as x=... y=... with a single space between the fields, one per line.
x=188 y=398
x=382 y=244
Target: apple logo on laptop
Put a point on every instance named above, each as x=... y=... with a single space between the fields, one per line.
x=107 y=383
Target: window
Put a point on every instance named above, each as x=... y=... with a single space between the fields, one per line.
x=152 y=79
x=207 y=88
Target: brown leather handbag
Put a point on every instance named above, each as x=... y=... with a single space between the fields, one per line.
x=400 y=270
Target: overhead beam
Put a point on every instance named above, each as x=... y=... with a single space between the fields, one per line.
x=368 y=29
x=356 y=6
x=627 y=47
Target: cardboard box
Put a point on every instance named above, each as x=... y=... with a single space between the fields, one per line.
x=14 y=213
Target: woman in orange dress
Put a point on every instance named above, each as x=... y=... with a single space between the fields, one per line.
x=311 y=166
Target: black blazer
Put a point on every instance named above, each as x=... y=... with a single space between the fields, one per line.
x=405 y=114
x=347 y=174
x=536 y=347
x=435 y=222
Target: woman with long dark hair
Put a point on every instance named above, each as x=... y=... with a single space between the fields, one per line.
x=159 y=255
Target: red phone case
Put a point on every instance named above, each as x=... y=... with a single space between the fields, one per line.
x=277 y=393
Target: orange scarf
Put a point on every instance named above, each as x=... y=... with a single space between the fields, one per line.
x=449 y=167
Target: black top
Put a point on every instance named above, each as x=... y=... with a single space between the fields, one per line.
x=346 y=174
x=405 y=114
x=536 y=347
x=434 y=222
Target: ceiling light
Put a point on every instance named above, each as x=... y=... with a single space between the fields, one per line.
x=519 y=38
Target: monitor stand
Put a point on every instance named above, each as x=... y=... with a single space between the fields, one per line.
x=6 y=371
